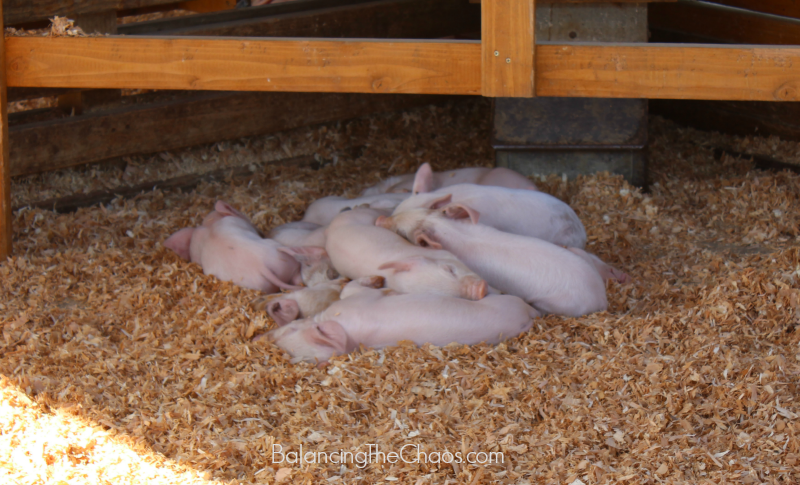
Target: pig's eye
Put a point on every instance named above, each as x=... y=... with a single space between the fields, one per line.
x=451 y=269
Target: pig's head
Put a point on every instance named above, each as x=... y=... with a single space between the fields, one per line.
x=315 y=265
x=223 y=209
x=416 y=225
x=443 y=276
x=307 y=340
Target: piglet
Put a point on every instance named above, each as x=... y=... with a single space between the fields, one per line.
x=358 y=248
x=322 y=211
x=299 y=233
x=376 y=319
x=524 y=212
x=307 y=302
x=549 y=277
x=426 y=180
x=227 y=246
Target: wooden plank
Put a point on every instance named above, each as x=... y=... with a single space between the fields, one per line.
x=428 y=67
x=204 y=6
x=656 y=71
x=723 y=24
x=239 y=14
x=408 y=19
x=23 y=11
x=743 y=118
x=788 y=8
x=5 y=160
x=166 y=125
x=71 y=203
x=507 y=51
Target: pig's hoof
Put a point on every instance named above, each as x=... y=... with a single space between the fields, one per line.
x=372 y=281
x=283 y=311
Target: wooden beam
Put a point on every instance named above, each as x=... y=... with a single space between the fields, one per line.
x=735 y=72
x=247 y=64
x=787 y=8
x=404 y=19
x=723 y=24
x=204 y=118
x=204 y=6
x=71 y=203
x=5 y=165
x=507 y=52
x=24 y=11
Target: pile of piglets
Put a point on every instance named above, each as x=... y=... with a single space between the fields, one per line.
x=467 y=256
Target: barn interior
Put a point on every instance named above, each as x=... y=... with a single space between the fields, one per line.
x=122 y=363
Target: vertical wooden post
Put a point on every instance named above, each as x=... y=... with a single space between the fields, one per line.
x=5 y=166
x=507 y=48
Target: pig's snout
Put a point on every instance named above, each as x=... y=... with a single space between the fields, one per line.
x=283 y=311
x=384 y=222
x=474 y=288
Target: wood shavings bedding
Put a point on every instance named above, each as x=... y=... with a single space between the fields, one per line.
x=689 y=377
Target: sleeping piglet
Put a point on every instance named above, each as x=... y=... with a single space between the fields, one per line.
x=373 y=318
x=358 y=248
x=551 y=278
x=227 y=246
x=426 y=180
x=322 y=211
x=307 y=302
x=524 y=212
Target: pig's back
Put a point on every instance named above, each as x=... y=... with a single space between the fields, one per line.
x=383 y=321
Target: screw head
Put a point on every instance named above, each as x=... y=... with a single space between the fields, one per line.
x=496 y=53
x=508 y=60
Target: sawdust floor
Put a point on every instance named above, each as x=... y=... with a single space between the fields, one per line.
x=121 y=363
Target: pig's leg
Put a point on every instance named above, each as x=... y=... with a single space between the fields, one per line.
x=606 y=271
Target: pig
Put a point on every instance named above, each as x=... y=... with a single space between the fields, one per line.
x=426 y=180
x=551 y=278
x=322 y=211
x=307 y=302
x=227 y=246
x=523 y=212
x=374 y=319
x=315 y=265
x=299 y=233
x=358 y=248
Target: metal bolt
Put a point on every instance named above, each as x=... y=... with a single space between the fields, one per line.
x=508 y=60
x=496 y=53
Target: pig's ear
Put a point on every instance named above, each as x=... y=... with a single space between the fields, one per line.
x=180 y=242
x=458 y=211
x=328 y=334
x=423 y=180
x=228 y=210
x=397 y=266
x=306 y=254
x=423 y=239
x=440 y=202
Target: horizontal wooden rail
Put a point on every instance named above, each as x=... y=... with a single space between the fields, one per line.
x=737 y=72
x=246 y=64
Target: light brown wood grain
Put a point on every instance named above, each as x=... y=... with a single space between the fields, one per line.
x=5 y=165
x=669 y=71
x=507 y=53
x=246 y=64
x=788 y=8
x=724 y=24
x=736 y=72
